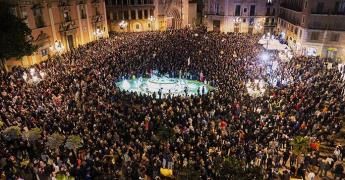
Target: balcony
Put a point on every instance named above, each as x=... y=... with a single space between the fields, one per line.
x=131 y=3
x=270 y=14
x=329 y=26
x=329 y=12
x=294 y=21
x=63 y=3
x=97 y=18
x=68 y=26
x=270 y=24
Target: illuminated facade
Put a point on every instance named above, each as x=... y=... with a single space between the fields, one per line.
x=149 y=15
x=245 y=16
x=131 y=15
x=59 y=25
x=315 y=28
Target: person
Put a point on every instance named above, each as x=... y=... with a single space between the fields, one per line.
x=285 y=175
x=311 y=175
x=339 y=171
x=286 y=156
x=337 y=153
x=78 y=96
x=301 y=171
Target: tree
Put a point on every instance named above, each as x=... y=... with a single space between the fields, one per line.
x=32 y=135
x=11 y=133
x=73 y=142
x=165 y=134
x=300 y=145
x=55 y=140
x=231 y=168
x=15 y=39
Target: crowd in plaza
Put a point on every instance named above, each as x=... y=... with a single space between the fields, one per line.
x=122 y=131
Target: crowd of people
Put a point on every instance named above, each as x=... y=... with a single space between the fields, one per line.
x=78 y=96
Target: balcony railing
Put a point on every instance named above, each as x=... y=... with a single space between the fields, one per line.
x=331 y=26
x=329 y=12
x=270 y=14
x=270 y=24
x=97 y=18
x=294 y=21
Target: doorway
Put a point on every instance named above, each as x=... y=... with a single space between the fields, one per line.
x=70 y=42
x=216 y=25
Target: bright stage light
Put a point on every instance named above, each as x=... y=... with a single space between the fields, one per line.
x=126 y=85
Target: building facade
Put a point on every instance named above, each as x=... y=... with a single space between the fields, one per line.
x=59 y=25
x=149 y=15
x=245 y=16
x=131 y=15
x=315 y=28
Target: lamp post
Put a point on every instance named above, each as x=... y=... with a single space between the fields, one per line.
x=152 y=19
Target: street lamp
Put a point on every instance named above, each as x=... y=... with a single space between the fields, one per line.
x=152 y=19
x=123 y=24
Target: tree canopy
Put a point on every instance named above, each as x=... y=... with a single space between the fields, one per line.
x=15 y=39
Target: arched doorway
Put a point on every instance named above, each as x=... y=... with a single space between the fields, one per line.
x=174 y=20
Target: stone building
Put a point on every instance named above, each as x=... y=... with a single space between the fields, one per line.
x=59 y=25
x=315 y=28
x=245 y=16
x=149 y=15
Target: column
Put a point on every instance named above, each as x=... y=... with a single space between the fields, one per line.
x=89 y=29
x=51 y=18
x=105 y=20
x=80 y=25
